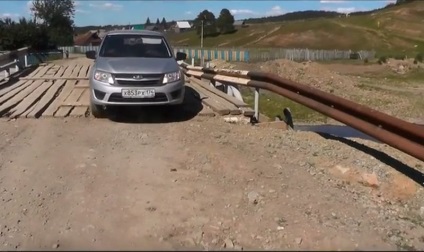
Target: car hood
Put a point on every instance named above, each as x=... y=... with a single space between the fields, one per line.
x=137 y=65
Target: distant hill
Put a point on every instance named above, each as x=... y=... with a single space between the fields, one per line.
x=396 y=29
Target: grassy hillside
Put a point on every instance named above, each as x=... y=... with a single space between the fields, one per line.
x=395 y=30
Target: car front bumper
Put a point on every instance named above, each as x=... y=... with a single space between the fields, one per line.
x=167 y=94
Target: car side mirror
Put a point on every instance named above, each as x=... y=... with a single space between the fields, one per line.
x=181 y=56
x=90 y=54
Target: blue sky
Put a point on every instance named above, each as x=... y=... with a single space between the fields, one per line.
x=133 y=12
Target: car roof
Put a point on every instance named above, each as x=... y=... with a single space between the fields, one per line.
x=136 y=32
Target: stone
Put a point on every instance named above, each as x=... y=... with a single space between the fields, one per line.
x=228 y=243
x=370 y=180
x=253 y=197
x=298 y=240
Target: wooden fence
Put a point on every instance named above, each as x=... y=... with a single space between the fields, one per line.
x=255 y=54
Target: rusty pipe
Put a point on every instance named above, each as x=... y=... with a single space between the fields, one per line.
x=378 y=118
x=399 y=142
x=406 y=129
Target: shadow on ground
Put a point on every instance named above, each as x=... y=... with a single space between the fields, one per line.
x=335 y=130
x=14 y=78
x=159 y=114
x=408 y=171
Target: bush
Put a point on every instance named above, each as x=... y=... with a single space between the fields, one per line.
x=400 y=57
x=366 y=60
x=382 y=60
x=354 y=56
x=415 y=62
x=419 y=58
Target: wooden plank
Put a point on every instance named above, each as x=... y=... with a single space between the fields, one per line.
x=12 y=87
x=82 y=83
x=27 y=89
x=216 y=103
x=13 y=92
x=54 y=106
x=85 y=97
x=78 y=111
x=47 y=98
x=84 y=100
x=73 y=97
x=248 y=112
x=68 y=71
x=29 y=110
x=47 y=78
x=206 y=111
x=28 y=101
x=76 y=71
x=210 y=101
x=59 y=72
x=89 y=70
x=38 y=70
x=83 y=72
x=219 y=93
x=43 y=71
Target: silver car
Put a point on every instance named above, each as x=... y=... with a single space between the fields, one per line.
x=135 y=68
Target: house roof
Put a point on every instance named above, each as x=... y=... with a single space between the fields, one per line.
x=86 y=38
x=183 y=24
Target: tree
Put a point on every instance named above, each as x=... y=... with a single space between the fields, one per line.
x=163 y=23
x=157 y=21
x=57 y=17
x=48 y=10
x=148 y=21
x=20 y=34
x=209 y=23
x=225 y=22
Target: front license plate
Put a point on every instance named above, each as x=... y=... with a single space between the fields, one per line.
x=138 y=93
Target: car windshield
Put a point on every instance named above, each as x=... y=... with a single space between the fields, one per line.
x=130 y=45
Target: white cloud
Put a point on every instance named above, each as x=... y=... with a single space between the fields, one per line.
x=9 y=15
x=343 y=9
x=346 y=9
x=242 y=12
x=81 y=11
x=332 y=1
x=28 y=7
x=275 y=11
x=106 y=6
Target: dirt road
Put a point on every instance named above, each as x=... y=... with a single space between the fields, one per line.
x=201 y=184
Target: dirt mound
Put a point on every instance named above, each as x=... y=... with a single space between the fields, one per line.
x=220 y=64
x=401 y=66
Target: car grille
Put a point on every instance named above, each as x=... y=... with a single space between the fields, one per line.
x=117 y=97
x=147 y=80
x=139 y=83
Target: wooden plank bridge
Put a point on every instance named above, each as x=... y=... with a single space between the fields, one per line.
x=55 y=90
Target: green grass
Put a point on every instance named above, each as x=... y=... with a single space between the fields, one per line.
x=397 y=33
x=271 y=105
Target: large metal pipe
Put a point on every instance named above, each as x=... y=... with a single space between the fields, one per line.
x=390 y=130
x=401 y=127
x=406 y=129
x=406 y=145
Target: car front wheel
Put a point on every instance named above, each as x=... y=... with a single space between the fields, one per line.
x=97 y=110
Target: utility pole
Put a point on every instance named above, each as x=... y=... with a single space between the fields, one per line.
x=201 y=47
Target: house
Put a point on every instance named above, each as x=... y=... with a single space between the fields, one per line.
x=138 y=27
x=90 y=38
x=239 y=23
x=182 y=26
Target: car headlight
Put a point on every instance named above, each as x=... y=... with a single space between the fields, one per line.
x=171 y=77
x=103 y=77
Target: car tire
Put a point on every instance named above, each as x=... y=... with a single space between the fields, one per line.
x=97 y=110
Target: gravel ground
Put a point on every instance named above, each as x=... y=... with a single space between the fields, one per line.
x=202 y=184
